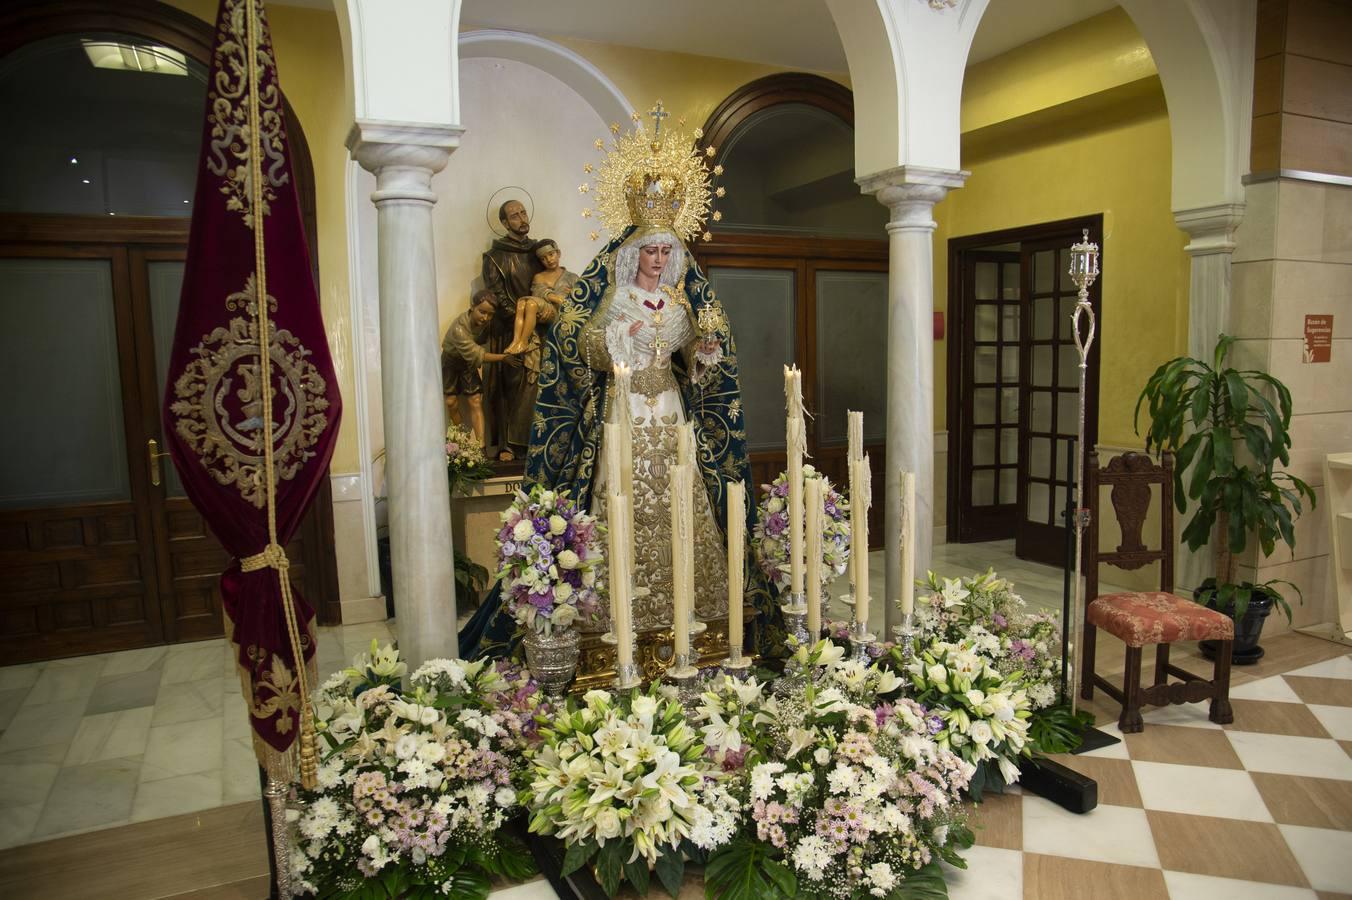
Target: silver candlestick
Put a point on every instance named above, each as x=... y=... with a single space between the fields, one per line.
x=1084 y=269
x=627 y=677
x=860 y=638
x=795 y=618
x=904 y=635
x=737 y=664
x=685 y=678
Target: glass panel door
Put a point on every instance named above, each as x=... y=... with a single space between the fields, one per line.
x=164 y=282
x=760 y=305
x=851 y=354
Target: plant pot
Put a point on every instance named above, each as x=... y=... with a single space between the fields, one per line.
x=1244 y=651
x=552 y=660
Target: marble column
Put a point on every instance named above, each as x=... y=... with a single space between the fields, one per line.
x=910 y=193
x=1212 y=245
x=404 y=157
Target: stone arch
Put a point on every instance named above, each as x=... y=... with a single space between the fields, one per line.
x=588 y=81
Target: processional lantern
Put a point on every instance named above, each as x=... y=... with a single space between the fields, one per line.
x=1084 y=269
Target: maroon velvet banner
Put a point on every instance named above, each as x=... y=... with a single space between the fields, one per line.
x=215 y=411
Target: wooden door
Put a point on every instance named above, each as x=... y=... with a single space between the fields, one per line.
x=821 y=304
x=987 y=436
x=77 y=544
x=1049 y=396
x=136 y=564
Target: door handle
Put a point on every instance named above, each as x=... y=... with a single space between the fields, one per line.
x=153 y=453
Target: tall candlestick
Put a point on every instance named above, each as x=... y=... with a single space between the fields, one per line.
x=680 y=552
x=861 y=491
x=908 y=536
x=621 y=415
x=855 y=420
x=736 y=563
x=796 y=441
x=815 y=503
x=621 y=624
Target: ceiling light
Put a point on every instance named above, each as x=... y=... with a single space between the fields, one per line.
x=84 y=181
x=112 y=213
x=135 y=57
x=185 y=201
x=74 y=161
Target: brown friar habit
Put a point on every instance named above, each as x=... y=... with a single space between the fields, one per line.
x=508 y=267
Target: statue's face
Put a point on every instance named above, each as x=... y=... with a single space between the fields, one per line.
x=549 y=256
x=479 y=315
x=515 y=219
x=652 y=259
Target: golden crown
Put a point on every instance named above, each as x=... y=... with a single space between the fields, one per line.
x=656 y=180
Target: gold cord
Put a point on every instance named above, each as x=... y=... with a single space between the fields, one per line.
x=274 y=555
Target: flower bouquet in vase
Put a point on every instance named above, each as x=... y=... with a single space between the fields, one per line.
x=625 y=783
x=465 y=462
x=416 y=786
x=549 y=551
x=771 y=535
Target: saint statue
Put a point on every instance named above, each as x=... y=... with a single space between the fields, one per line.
x=642 y=301
x=509 y=268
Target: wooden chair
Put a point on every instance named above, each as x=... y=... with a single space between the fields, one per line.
x=1139 y=618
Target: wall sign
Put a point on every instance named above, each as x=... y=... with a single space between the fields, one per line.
x=1318 y=339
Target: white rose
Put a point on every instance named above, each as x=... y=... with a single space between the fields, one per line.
x=775 y=505
x=937 y=673
x=975 y=697
x=505 y=797
x=557 y=524
x=644 y=707
x=822 y=756
x=981 y=732
x=523 y=530
x=562 y=592
x=607 y=824
x=563 y=615
x=567 y=559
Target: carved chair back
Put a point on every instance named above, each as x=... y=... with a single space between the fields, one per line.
x=1131 y=476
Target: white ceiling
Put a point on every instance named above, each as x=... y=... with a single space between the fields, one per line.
x=796 y=34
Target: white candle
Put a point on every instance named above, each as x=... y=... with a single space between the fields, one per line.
x=908 y=534
x=736 y=563
x=855 y=420
x=621 y=415
x=795 y=439
x=860 y=500
x=680 y=550
x=815 y=501
x=622 y=625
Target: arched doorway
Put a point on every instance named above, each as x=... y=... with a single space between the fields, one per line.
x=101 y=549
x=799 y=261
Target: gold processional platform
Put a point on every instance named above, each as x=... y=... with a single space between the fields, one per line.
x=652 y=652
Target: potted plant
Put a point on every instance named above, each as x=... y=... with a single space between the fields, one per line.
x=1228 y=428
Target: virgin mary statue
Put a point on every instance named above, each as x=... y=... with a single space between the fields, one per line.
x=643 y=302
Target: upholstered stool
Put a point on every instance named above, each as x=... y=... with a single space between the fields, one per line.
x=1139 y=618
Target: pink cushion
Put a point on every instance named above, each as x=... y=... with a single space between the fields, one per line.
x=1154 y=617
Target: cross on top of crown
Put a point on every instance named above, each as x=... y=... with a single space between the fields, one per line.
x=658 y=114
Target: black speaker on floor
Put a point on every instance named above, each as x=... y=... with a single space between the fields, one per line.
x=1064 y=787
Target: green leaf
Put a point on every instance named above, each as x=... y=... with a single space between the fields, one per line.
x=637 y=872
x=1224 y=451
x=782 y=877
x=926 y=883
x=575 y=857
x=671 y=872
x=610 y=866
x=467 y=884
x=739 y=871
x=1239 y=394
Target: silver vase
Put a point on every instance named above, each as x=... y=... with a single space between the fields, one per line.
x=552 y=660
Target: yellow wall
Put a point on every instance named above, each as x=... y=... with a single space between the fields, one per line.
x=1039 y=152
x=310 y=67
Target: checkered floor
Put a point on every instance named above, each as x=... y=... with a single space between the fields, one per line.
x=1189 y=809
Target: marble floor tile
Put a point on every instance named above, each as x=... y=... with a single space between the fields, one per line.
x=1315 y=802
x=538 y=889
x=1118 y=750
x=1274 y=717
x=193 y=662
x=90 y=796
x=1059 y=878
x=111 y=735
x=20 y=676
x=1312 y=757
x=239 y=773
x=1324 y=854
x=1226 y=848
x=1186 y=886
x=1110 y=834
x=179 y=794
x=1115 y=777
x=17 y=824
x=1337 y=720
x=1338 y=667
x=235 y=715
x=1183 y=746
x=1191 y=715
x=183 y=749
x=142 y=659
x=1273 y=688
x=26 y=775
x=1323 y=691
x=38 y=726
x=128 y=690
x=70 y=684
x=1226 y=793
x=991 y=874
x=10 y=701
x=189 y=701
x=997 y=821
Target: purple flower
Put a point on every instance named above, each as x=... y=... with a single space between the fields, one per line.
x=541 y=525
x=1000 y=620
x=508 y=548
x=781 y=489
x=776 y=523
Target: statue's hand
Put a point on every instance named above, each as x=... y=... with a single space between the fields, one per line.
x=634 y=329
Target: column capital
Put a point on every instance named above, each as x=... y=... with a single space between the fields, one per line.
x=910 y=192
x=1212 y=228
x=403 y=156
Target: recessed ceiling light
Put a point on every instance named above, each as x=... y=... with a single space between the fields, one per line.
x=185 y=201
x=112 y=213
x=84 y=181
x=74 y=161
x=135 y=57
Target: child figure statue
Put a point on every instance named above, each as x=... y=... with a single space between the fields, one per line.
x=549 y=289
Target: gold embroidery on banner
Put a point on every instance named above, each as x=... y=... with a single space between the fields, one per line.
x=219 y=405
x=274 y=692
x=229 y=154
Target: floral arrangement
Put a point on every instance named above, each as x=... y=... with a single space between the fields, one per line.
x=465 y=461
x=625 y=783
x=849 y=793
x=416 y=785
x=771 y=534
x=549 y=551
